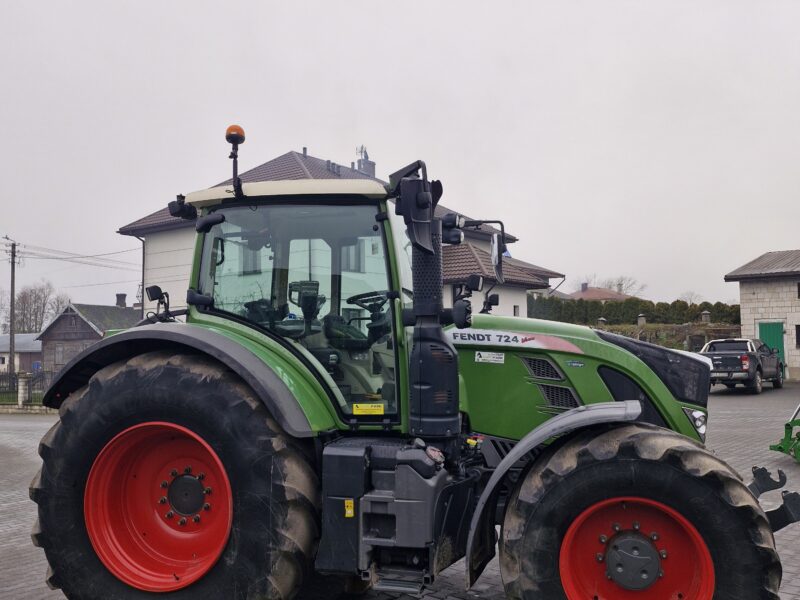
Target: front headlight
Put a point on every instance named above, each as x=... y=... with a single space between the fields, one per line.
x=699 y=421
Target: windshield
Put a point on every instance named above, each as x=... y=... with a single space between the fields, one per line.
x=402 y=249
x=315 y=274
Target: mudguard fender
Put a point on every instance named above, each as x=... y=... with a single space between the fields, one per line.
x=272 y=391
x=481 y=540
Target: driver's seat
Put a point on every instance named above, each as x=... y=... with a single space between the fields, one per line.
x=343 y=336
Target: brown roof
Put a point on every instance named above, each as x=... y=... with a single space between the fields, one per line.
x=467 y=259
x=540 y=272
x=602 y=294
x=785 y=263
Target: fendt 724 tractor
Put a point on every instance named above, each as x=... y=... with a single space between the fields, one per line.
x=321 y=419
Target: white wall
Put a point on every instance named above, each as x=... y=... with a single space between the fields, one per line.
x=168 y=264
x=773 y=301
x=509 y=297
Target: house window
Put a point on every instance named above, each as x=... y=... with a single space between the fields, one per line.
x=251 y=261
x=59 y=354
x=798 y=289
x=2 y=360
x=353 y=258
x=516 y=310
x=797 y=335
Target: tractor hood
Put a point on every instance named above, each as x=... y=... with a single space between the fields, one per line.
x=534 y=334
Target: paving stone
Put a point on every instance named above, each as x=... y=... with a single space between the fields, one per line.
x=740 y=431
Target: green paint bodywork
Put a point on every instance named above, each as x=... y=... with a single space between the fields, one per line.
x=501 y=400
x=790 y=444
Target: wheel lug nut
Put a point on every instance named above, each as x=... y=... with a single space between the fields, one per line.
x=603 y=539
x=182 y=522
x=187 y=470
x=170 y=514
x=599 y=557
x=616 y=527
x=636 y=525
x=654 y=536
x=174 y=472
x=164 y=484
x=206 y=506
x=196 y=518
x=663 y=554
x=162 y=500
x=201 y=476
x=207 y=491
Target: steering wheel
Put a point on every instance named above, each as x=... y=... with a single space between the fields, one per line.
x=372 y=302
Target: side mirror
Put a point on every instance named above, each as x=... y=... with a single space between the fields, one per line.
x=218 y=251
x=498 y=247
x=474 y=283
x=204 y=224
x=154 y=293
x=462 y=314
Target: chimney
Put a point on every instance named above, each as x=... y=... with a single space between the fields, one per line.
x=305 y=151
x=121 y=300
x=641 y=320
x=584 y=286
x=705 y=316
x=365 y=165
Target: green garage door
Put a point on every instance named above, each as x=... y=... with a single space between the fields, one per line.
x=772 y=335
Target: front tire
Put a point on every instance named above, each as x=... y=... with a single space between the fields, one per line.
x=237 y=518
x=632 y=512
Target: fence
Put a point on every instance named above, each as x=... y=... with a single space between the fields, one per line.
x=27 y=387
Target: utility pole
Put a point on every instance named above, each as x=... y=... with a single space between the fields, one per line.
x=11 y=356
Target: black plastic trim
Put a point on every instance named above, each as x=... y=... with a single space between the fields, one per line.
x=272 y=391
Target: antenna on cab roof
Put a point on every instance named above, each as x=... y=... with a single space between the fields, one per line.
x=235 y=136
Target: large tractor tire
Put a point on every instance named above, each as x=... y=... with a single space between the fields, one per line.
x=635 y=512
x=166 y=478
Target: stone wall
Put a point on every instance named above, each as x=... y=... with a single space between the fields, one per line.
x=768 y=301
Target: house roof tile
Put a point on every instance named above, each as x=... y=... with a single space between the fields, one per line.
x=466 y=259
x=784 y=263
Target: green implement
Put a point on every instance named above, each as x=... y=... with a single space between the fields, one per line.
x=790 y=444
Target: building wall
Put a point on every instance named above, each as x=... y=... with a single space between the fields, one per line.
x=510 y=297
x=168 y=263
x=64 y=339
x=23 y=361
x=773 y=301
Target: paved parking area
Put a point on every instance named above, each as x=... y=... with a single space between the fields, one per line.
x=741 y=429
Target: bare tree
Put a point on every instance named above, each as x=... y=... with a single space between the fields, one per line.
x=624 y=285
x=691 y=297
x=57 y=305
x=3 y=311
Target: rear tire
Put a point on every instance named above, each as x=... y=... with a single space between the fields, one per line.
x=265 y=552
x=713 y=530
x=757 y=386
x=777 y=383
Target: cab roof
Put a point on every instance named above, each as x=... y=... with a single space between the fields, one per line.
x=367 y=188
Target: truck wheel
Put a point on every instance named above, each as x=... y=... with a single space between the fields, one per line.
x=165 y=477
x=757 y=385
x=777 y=383
x=635 y=512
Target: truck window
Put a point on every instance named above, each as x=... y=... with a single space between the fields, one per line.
x=728 y=346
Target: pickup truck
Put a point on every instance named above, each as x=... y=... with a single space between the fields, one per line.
x=749 y=362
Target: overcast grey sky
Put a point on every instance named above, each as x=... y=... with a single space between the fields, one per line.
x=653 y=139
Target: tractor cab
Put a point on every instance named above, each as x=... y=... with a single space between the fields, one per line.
x=313 y=271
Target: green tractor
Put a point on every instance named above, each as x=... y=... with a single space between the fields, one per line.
x=322 y=422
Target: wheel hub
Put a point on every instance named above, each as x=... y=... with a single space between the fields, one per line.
x=632 y=561
x=186 y=495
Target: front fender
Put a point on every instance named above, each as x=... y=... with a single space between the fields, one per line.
x=481 y=540
x=265 y=382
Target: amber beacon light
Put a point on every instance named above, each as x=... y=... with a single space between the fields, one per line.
x=234 y=135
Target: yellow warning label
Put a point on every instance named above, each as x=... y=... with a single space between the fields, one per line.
x=349 y=508
x=375 y=408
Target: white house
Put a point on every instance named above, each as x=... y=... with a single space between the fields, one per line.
x=169 y=242
x=769 y=291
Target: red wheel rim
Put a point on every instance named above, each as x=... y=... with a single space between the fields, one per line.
x=591 y=547
x=158 y=507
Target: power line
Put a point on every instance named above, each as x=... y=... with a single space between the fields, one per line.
x=50 y=253
x=88 y=255
x=66 y=287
